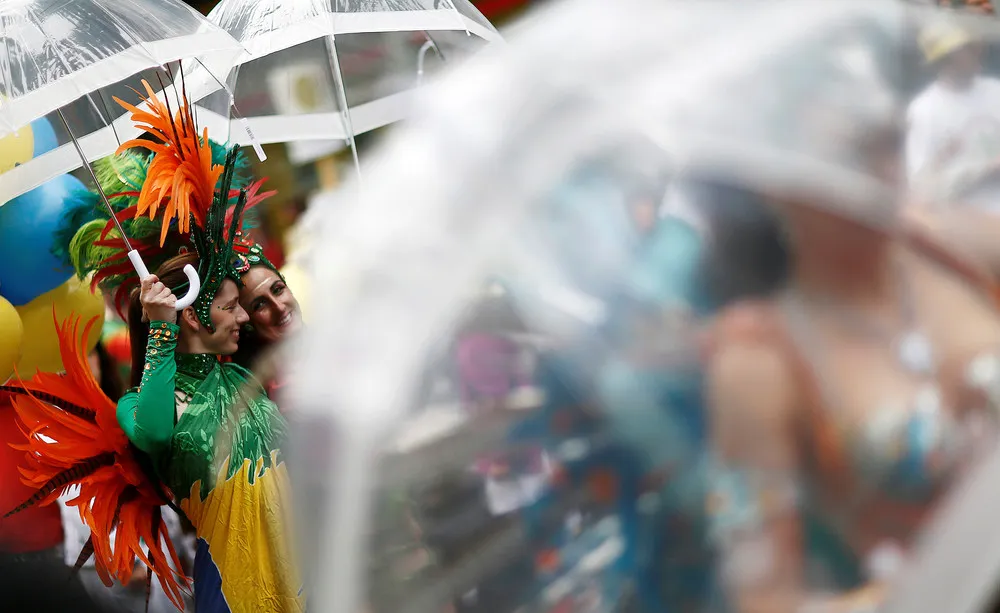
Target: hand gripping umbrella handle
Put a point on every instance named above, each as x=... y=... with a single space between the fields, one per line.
x=194 y=282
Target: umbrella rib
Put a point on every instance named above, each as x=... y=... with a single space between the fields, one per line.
x=125 y=29
x=8 y=75
x=338 y=77
x=459 y=16
x=30 y=56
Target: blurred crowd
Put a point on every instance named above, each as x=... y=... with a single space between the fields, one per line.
x=781 y=386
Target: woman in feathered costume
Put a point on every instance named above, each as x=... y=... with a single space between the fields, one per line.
x=92 y=246
x=209 y=428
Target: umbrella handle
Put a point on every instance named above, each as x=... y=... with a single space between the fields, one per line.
x=194 y=281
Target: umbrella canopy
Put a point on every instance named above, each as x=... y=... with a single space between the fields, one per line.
x=330 y=69
x=524 y=164
x=76 y=56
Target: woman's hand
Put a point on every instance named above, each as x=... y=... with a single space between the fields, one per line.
x=158 y=302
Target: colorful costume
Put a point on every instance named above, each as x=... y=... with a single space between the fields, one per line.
x=227 y=472
x=208 y=428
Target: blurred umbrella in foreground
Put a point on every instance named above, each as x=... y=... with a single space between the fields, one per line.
x=526 y=165
x=63 y=62
x=332 y=69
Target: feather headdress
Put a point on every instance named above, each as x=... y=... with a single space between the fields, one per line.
x=89 y=241
x=223 y=249
x=182 y=175
x=171 y=194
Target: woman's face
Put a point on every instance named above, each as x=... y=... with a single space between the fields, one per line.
x=271 y=306
x=227 y=317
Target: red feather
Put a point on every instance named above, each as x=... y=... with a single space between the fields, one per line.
x=94 y=454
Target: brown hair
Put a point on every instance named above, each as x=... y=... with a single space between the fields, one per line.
x=171 y=274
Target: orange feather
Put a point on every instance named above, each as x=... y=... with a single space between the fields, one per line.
x=181 y=178
x=86 y=447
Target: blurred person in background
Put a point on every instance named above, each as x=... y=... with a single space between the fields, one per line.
x=953 y=125
x=843 y=408
x=712 y=244
x=692 y=246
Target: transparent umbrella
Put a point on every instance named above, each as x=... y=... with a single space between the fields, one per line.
x=61 y=64
x=331 y=69
x=533 y=166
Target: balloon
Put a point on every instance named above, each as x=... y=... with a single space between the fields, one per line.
x=27 y=227
x=298 y=282
x=41 y=351
x=16 y=148
x=11 y=337
x=45 y=136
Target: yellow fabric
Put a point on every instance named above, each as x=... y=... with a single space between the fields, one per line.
x=248 y=540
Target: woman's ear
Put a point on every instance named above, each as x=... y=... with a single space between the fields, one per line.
x=190 y=319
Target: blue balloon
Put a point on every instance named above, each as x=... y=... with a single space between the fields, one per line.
x=45 y=136
x=27 y=227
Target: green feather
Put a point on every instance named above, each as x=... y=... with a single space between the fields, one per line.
x=241 y=165
x=81 y=207
x=83 y=253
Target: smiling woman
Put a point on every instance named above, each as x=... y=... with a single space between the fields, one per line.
x=270 y=304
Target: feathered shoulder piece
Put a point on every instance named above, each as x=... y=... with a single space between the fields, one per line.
x=74 y=440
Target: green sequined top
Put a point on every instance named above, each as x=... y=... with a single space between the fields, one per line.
x=222 y=403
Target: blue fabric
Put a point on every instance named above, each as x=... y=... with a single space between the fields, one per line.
x=208 y=596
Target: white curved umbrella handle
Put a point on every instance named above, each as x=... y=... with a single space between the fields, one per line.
x=194 y=281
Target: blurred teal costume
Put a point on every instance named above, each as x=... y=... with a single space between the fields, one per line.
x=649 y=430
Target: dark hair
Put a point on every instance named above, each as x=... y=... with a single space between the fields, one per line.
x=748 y=255
x=110 y=382
x=250 y=348
x=171 y=274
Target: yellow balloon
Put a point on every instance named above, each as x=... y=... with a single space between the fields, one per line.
x=41 y=346
x=11 y=337
x=16 y=148
x=298 y=282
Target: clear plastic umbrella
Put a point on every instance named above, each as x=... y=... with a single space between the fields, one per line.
x=526 y=165
x=76 y=56
x=63 y=63
x=331 y=69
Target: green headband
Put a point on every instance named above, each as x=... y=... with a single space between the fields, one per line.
x=216 y=244
x=246 y=255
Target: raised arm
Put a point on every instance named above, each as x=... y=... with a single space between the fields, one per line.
x=147 y=414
